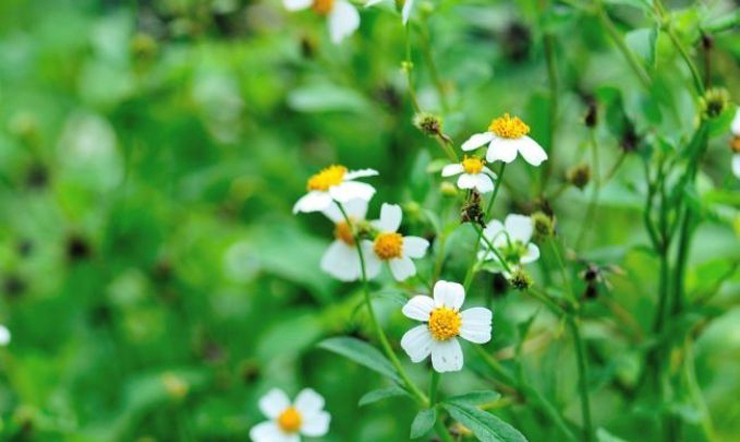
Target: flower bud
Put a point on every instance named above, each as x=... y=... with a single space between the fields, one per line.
x=714 y=102
x=428 y=124
x=520 y=280
x=544 y=226
x=579 y=175
x=448 y=189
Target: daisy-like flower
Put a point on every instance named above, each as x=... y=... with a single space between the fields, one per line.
x=475 y=175
x=511 y=240
x=341 y=259
x=288 y=422
x=444 y=322
x=4 y=336
x=335 y=183
x=735 y=143
x=391 y=247
x=506 y=137
x=343 y=19
x=405 y=9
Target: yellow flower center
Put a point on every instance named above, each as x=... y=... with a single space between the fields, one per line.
x=388 y=245
x=508 y=127
x=735 y=144
x=472 y=165
x=444 y=323
x=323 y=7
x=331 y=176
x=343 y=232
x=290 y=420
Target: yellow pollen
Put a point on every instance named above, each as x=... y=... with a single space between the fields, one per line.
x=735 y=144
x=444 y=323
x=331 y=176
x=323 y=7
x=508 y=127
x=290 y=420
x=388 y=245
x=472 y=165
x=343 y=232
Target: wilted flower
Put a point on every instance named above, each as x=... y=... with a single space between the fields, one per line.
x=444 y=322
x=343 y=18
x=506 y=137
x=334 y=183
x=475 y=175
x=288 y=422
x=341 y=259
x=511 y=240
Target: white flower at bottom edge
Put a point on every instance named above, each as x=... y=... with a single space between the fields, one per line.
x=288 y=422
x=391 y=247
x=4 y=335
x=511 y=240
x=341 y=259
x=343 y=19
x=444 y=322
x=506 y=138
x=334 y=183
x=475 y=175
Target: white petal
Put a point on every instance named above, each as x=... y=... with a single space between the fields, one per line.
x=415 y=247
x=266 y=432
x=350 y=190
x=362 y=173
x=402 y=268
x=274 y=403
x=333 y=213
x=448 y=294
x=519 y=227
x=447 y=356
x=477 y=141
x=356 y=209
x=316 y=425
x=476 y=325
x=502 y=149
x=309 y=402
x=490 y=173
x=372 y=262
x=484 y=183
x=532 y=255
x=532 y=152
x=5 y=335
x=372 y=3
x=417 y=343
x=390 y=218
x=467 y=181
x=341 y=261
x=314 y=201
x=452 y=169
x=735 y=128
x=493 y=230
x=736 y=165
x=419 y=307
x=406 y=11
x=343 y=21
x=297 y=5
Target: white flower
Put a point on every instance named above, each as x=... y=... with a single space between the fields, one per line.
x=475 y=175
x=4 y=335
x=736 y=164
x=306 y=416
x=335 y=183
x=735 y=128
x=341 y=259
x=506 y=137
x=405 y=10
x=511 y=240
x=391 y=247
x=343 y=18
x=444 y=323
x=735 y=143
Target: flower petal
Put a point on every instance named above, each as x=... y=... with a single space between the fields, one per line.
x=477 y=141
x=735 y=128
x=502 y=149
x=532 y=255
x=736 y=165
x=532 y=152
x=493 y=233
x=309 y=402
x=402 y=268
x=343 y=21
x=476 y=325
x=274 y=403
x=467 y=181
x=350 y=190
x=356 y=209
x=519 y=227
x=406 y=11
x=316 y=424
x=452 y=169
x=448 y=294
x=415 y=247
x=419 y=307
x=297 y=5
x=372 y=262
x=341 y=261
x=266 y=432
x=447 y=356
x=417 y=343
x=361 y=173
x=483 y=183
x=314 y=201
x=390 y=218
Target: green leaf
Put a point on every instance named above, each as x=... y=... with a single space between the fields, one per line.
x=474 y=398
x=485 y=426
x=643 y=5
x=604 y=436
x=643 y=42
x=326 y=98
x=393 y=295
x=383 y=393
x=423 y=422
x=362 y=353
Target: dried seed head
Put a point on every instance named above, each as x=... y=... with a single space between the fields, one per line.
x=428 y=124
x=579 y=175
x=544 y=226
x=714 y=102
x=520 y=280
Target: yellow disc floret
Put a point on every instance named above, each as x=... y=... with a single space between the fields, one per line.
x=508 y=127
x=444 y=323
x=343 y=232
x=322 y=7
x=290 y=420
x=472 y=165
x=388 y=245
x=331 y=176
x=735 y=144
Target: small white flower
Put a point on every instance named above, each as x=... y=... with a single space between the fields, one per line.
x=391 y=247
x=475 y=175
x=343 y=19
x=335 y=183
x=4 y=335
x=444 y=322
x=288 y=422
x=735 y=128
x=506 y=137
x=511 y=240
x=341 y=259
x=735 y=143
x=405 y=10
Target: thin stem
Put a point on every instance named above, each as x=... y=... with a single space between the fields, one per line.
x=561 y=264
x=591 y=210
x=618 y=39
x=439 y=426
x=433 y=72
x=548 y=42
x=582 y=378
x=407 y=67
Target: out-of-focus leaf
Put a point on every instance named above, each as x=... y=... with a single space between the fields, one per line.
x=362 y=353
x=485 y=426
x=602 y=435
x=423 y=422
x=379 y=395
x=474 y=398
x=326 y=98
x=643 y=5
x=643 y=43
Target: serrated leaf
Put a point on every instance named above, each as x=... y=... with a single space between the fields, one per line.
x=423 y=422
x=485 y=426
x=362 y=353
x=475 y=398
x=383 y=393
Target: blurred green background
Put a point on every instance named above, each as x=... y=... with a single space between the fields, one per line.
x=156 y=283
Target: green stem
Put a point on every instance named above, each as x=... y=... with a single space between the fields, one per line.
x=618 y=39
x=582 y=378
x=433 y=72
x=591 y=210
x=548 y=42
